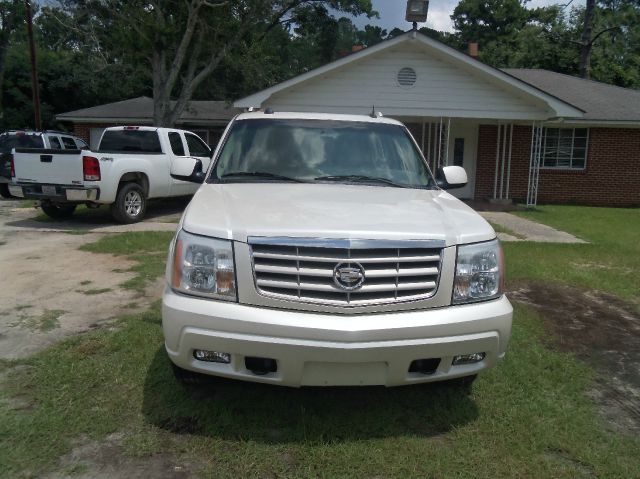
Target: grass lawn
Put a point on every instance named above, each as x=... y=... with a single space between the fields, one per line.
x=610 y=262
x=529 y=417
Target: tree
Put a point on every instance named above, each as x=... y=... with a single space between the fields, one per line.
x=511 y=35
x=11 y=18
x=610 y=26
x=186 y=42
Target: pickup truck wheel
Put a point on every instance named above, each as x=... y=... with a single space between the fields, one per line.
x=189 y=378
x=130 y=205
x=4 y=191
x=58 y=211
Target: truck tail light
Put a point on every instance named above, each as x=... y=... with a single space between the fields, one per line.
x=91 y=168
x=13 y=167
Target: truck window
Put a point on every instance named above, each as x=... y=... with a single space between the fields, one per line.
x=197 y=147
x=55 y=143
x=81 y=145
x=143 y=141
x=176 y=143
x=9 y=142
x=68 y=143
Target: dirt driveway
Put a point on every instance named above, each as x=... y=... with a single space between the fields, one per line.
x=49 y=289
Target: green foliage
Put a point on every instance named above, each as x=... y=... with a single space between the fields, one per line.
x=512 y=35
x=616 y=56
x=92 y=52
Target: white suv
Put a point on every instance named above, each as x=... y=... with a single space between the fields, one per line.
x=321 y=251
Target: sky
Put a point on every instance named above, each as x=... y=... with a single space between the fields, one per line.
x=392 y=13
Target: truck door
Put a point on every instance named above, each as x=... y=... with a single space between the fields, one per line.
x=198 y=149
x=179 y=150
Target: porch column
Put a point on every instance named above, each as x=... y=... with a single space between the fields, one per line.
x=503 y=161
x=534 y=163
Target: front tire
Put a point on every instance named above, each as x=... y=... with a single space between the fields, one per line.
x=130 y=205
x=58 y=211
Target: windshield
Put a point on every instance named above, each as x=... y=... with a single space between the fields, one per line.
x=321 y=151
x=8 y=142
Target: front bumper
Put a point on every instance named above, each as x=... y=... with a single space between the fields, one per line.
x=313 y=349
x=57 y=193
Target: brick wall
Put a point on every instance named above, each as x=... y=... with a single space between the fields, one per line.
x=611 y=177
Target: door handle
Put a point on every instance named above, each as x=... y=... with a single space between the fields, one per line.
x=46 y=158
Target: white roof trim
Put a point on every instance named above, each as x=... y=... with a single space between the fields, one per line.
x=559 y=107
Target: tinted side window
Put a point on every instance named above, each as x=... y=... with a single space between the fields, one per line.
x=176 y=143
x=9 y=142
x=131 y=140
x=55 y=143
x=197 y=147
x=68 y=142
x=81 y=145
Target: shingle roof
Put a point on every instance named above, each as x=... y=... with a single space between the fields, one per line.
x=600 y=101
x=141 y=109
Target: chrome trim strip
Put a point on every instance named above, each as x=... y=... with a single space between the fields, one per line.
x=344 y=243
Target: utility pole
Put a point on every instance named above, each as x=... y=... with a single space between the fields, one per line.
x=586 y=40
x=35 y=88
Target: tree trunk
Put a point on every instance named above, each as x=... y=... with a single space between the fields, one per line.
x=586 y=40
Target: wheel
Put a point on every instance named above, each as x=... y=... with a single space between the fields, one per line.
x=58 y=211
x=4 y=191
x=189 y=378
x=130 y=205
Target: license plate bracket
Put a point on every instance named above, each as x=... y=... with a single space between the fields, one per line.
x=48 y=190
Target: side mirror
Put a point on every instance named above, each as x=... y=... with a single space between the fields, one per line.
x=451 y=177
x=187 y=169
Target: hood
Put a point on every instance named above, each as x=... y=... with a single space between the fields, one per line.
x=239 y=210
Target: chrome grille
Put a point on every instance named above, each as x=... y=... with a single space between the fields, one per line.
x=303 y=269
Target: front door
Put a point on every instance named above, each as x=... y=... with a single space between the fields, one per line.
x=463 y=147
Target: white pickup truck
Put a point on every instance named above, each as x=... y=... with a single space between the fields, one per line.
x=131 y=165
x=321 y=251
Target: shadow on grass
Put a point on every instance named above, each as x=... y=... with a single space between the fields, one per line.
x=235 y=410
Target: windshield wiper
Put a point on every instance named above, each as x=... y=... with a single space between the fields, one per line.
x=260 y=174
x=361 y=179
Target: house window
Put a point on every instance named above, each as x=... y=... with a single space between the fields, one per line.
x=565 y=148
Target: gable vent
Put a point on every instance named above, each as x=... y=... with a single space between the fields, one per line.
x=407 y=77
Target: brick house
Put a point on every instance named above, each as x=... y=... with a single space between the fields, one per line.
x=525 y=135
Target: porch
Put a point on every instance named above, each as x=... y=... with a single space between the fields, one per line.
x=502 y=159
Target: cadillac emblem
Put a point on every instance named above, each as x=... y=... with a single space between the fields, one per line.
x=348 y=276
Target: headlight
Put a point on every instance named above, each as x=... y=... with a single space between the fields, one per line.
x=479 y=272
x=203 y=266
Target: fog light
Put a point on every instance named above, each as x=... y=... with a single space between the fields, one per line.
x=212 y=356
x=468 y=358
